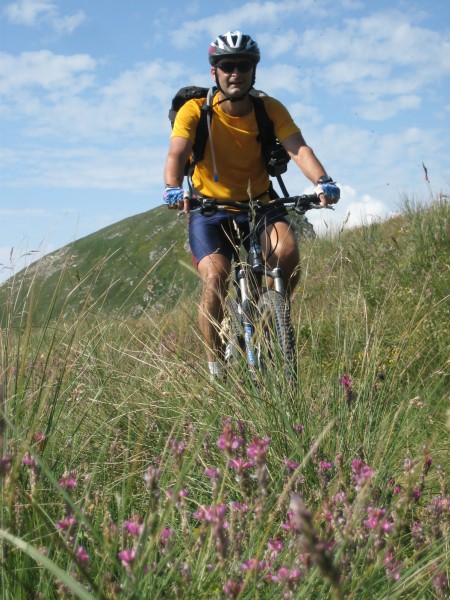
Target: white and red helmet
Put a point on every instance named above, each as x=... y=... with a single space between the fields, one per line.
x=233 y=43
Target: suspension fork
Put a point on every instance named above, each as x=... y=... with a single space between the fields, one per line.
x=278 y=282
x=247 y=321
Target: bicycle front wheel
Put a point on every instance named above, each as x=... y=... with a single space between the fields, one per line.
x=275 y=347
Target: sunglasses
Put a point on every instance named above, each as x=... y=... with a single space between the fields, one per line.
x=228 y=66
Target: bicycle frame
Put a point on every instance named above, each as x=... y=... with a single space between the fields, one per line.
x=249 y=274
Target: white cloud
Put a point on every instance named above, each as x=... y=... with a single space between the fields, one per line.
x=44 y=69
x=60 y=97
x=253 y=14
x=33 y=12
x=379 y=110
x=381 y=158
x=27 y=12
x=68 y=23
x=353 y=210
x=382 y=60
x=303 y=113
x=132 y=169
x=283 y=77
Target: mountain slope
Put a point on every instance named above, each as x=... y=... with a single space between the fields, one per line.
x=121 y=267
x=142 y=261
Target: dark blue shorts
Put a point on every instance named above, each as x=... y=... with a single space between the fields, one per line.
x=217 y=235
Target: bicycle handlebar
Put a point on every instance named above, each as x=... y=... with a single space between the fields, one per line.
x=298 y=203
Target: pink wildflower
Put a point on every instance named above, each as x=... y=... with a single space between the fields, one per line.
x=5 y=464
x=258 y=448
x=427 y=461
x=346 y=382
x=361 y=473
x=29 y=461
x=239 y=507
x=212 y=473
x=184 y=493
x=178 y=448
x=134 y=526
x=254 y=565
x=324 y=466
x=212 y=514
x=392 y=566
x=440 y=582
x=166 y=535
x=290 y=525
x=291 y=465
x=127 y=558
x=38 y=440
x=67 y=523
x=386 y=526
x=371 y=523
x=275 y=547
x=285 y=574
x=232 y=589
x=376 y=520
x=82 y=556
x=68 y=481
x=229 y=441
x=215 y=516
x=240 y=464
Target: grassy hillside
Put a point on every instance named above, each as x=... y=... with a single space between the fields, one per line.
x=142 y=262
x=120 y=268
x=126 y=474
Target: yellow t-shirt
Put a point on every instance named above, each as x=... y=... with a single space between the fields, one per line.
x=237 y=151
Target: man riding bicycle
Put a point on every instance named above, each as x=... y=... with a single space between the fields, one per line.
x=233 y=169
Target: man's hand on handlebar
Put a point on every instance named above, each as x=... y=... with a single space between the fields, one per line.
x=176 y=198
x=327 y=191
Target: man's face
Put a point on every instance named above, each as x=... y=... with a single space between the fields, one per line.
x=235 y=75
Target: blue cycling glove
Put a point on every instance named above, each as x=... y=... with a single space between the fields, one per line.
x=331 y=191
x=173 y=195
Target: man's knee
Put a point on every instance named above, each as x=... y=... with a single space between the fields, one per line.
x=214 y=271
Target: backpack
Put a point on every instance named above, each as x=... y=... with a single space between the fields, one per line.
x=275 y=156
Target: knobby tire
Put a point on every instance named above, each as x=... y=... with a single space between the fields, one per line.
x=277 y=337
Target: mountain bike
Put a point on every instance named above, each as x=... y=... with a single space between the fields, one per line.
x=257 y=324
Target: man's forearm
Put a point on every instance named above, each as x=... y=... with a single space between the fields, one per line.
x=310 y=165
x=174 y=171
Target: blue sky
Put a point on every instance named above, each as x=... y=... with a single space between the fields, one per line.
x=85 y=88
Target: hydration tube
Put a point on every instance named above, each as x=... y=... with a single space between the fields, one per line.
x=209 y=99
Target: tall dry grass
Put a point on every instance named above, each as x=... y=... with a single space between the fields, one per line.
x=126 y=474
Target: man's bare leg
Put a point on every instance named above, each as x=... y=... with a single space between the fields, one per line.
x=279 y=244
x=214 y=271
